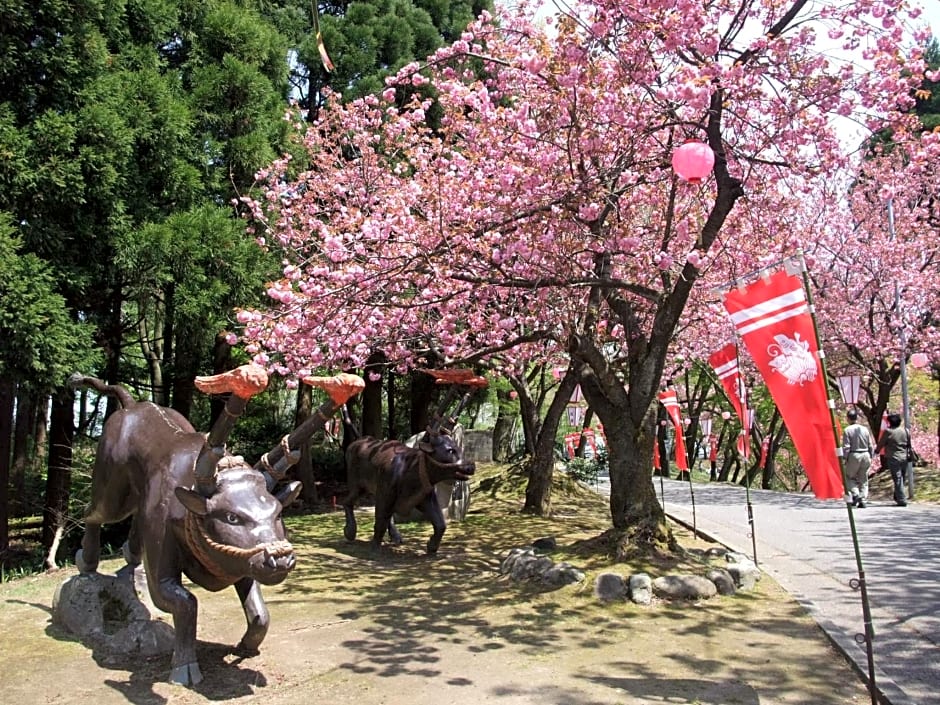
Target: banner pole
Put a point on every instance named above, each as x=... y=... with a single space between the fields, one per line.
x=856 y=584
x=752 y=530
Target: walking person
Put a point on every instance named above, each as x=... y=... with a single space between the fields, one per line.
x=858 y=448
x=896 y=443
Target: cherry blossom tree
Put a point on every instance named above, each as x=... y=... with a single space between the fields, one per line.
x=875 y=273
x=542 y=217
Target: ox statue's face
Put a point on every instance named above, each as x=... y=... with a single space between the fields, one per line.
x=443 y=449
x=239 y=527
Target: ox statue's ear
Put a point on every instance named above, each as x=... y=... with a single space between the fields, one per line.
x=288 y=493
x=192 y=500
x=426 y=448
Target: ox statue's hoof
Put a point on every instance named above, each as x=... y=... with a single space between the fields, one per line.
x=83 y=567
x=245 y=649
x=188 y=674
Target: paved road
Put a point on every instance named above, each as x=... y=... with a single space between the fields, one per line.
x=806 y=546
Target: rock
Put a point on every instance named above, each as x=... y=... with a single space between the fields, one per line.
x=562 y=574
x=514 y=555
x=546 y=543
x=106 y=611
x=609 y=587
x=684 y=587
x=526 y=564
x=529 y=565
x=641 y=588
x=723 y=581
x=745 y=574
x=716 y=552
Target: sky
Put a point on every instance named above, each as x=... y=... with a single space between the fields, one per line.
x=931 y=14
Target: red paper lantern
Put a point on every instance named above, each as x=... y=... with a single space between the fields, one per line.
x=693 y=161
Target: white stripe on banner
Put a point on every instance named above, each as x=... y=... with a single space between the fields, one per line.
x=782 y=316
x=727 y=369
x=766 y=313
x=670 y=400
x=769 y=306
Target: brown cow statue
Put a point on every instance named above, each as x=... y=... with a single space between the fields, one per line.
x=402 y=479
x=198 y=511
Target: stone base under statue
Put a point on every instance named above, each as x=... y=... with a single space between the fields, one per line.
x=106 y=612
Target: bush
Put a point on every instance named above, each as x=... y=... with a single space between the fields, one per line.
x=586 y=470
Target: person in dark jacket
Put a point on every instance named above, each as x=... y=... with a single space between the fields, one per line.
x=895 y=442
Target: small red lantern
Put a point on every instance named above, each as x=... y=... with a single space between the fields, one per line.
x=693 y=161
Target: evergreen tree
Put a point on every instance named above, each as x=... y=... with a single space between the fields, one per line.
x=367 y=41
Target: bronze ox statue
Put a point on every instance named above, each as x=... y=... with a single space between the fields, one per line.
x=198 y=510
x=402 y=479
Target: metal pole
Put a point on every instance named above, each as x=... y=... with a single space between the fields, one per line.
x=905 y=400
x=868 y=638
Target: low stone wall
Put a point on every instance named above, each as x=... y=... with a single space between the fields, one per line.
x=726 y=573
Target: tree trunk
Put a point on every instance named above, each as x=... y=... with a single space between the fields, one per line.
x=169 y=342
x=221 y=362
x=112 y=341
x=25 y=412
x=422 y=397
x=390 y=403
x=151 y=347
x=502 y=428
x=40 y=432
x=633 y=502
x=303 y=470
x=662 y=424
x=184 y=379
x=582 y=441
x=6 y=432
x=59 y=476
x=372 y=399
x=538 y=492
x=528 y=413
x=629 y=415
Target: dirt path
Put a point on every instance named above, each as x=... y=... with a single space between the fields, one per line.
x=348 y=627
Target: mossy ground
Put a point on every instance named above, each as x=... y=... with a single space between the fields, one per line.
x=350 y=626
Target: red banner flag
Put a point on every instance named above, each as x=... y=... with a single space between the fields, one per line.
x=764 y=449
x=671 y=402
x=725 y=364
x=773 y=319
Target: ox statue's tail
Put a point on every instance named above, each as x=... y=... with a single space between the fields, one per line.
x=112 y=390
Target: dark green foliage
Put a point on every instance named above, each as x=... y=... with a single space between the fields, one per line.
x=39 y=345
x=928 y=99
x=926 y=103
x=368 y=41
x=586 y=470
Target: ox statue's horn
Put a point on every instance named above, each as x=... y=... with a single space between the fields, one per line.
x=241 y=383
x=340 y=389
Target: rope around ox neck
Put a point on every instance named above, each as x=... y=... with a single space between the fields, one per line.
x=202 y=546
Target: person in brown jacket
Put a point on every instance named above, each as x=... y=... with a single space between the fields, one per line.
x=857 y=449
